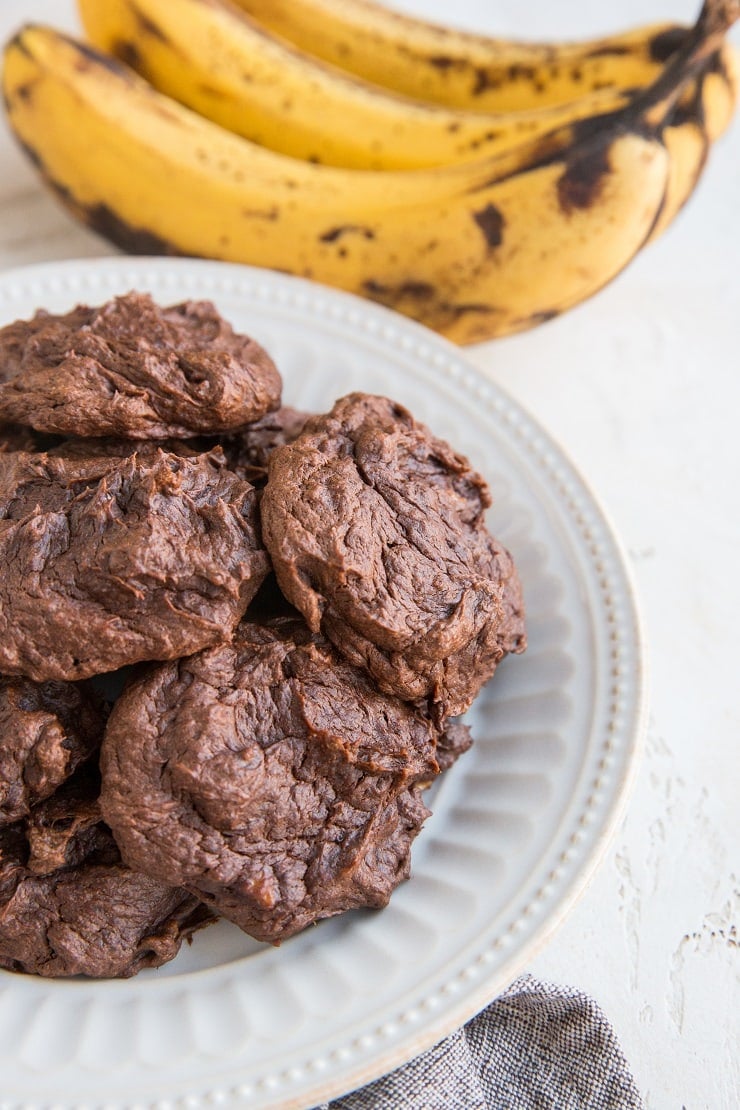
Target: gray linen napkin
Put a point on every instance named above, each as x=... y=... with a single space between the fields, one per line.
x=537 y=1047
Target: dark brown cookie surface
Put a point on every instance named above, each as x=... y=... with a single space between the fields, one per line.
x=453 y=742
x=248 y=452
x=15 y=337
x=47 y=730
x=67 y=828
x=376 y=532
x=14 y=437
x=111 y=560
x=100 y=921
x=130 y=368
x=268 y=777
x=68 y=906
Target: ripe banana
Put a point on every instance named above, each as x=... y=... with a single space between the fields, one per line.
x=475 y=250
x=221 y=64
x=461 y=70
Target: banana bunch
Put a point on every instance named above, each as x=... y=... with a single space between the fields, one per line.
x=478 y=216
x=228 y=68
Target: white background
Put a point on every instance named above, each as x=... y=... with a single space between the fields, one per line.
x=642 y=387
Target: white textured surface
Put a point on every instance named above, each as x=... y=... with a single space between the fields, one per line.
x=517 y=825
x=642 y=387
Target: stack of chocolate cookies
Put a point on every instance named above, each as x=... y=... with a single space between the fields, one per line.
x=299 y=607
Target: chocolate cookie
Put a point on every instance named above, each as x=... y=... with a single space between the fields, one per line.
x=377 y=535
x=93 y=916
x=132 y=369
x=47 y=730
x=248 y=452
x=111 y=560
x=101 y=921
x=268 y=777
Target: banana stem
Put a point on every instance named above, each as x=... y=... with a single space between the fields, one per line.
x=656 y=103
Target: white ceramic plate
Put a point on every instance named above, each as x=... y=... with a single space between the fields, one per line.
x=518 y=823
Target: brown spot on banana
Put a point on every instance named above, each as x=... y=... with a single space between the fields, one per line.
x=89 y=54
x=485 y=81
x=608 y=50
x=536 y=318
x=493 y=79
x=335 y=233
x=22 y=92
x=391 y=294
x=491 y=222
x=454 y=312
x=586 y=166
x=418 y=290
x=518 y=72
x=419 y=299
x=133 y=240
x=29 y=151
x=128 y=53
x=443 y=62
x=147 y=26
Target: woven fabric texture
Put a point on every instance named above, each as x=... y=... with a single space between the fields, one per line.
x=536 y=1047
